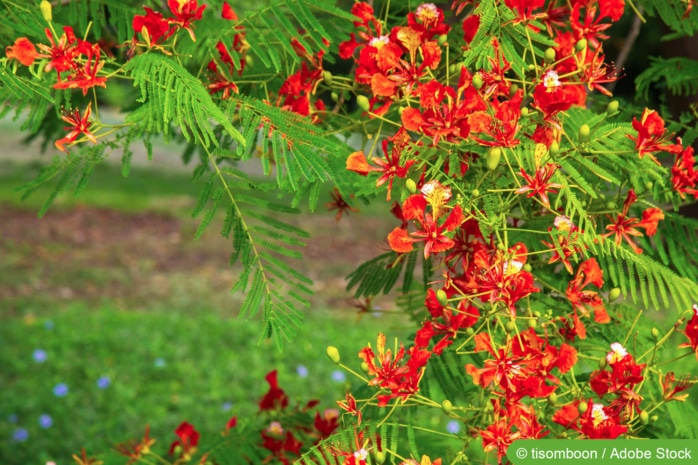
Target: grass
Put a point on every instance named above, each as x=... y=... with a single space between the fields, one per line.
x=131 y=298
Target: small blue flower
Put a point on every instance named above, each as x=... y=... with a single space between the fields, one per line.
x=60 y=390
x=159 y=362
x=453 y=427
x=302 y=371
x=48 y=324
x=227 y=406
x=45 y=421
x=103 y=382
x=20 y=435
x=39 y=356
x=338 y=376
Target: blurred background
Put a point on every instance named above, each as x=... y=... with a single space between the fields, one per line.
x=112 y=317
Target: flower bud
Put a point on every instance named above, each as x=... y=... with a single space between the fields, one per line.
x=513 y=89
x=524 y=111
x=333 y=353
x=549 y=55
x=655 y=333
x=411 y=186
x=532 y=323
x=582 y=408
x=442 y=39
x=552 y=398
x=509 y=327
x=584 y=132
x=554 y=148
x=654 y=418
x=46 y=12
x=327 y=77
x=475 y=193
x=580 y=45
x=477 y=81
x=442 y=297
x=649 y=185
x=379 y=456
x=469 y=331
x=334 y=96
x=249 y=61
x=447 y=406
x=644 y=417
x=563 y=435
x=527 y=268
x=614 y=294
x=452 y=68
x=603 y=363
x=493 y=156
x=363 y=103
x=364 y=367
x=401 y=110
x=612 y=106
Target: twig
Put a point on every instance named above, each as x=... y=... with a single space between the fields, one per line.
x=628 y=44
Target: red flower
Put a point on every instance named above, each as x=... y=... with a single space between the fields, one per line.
x=326 y=423
x=623 y=227
x=61 y=53
x=539 y=185
x=390 y=167
x=600 y=422
x=596 y=72
x=684 y=175
x=23 y=51
x=280 y=442
x=185 y=12
x=400 y=377
x=587 y=273
x=134 y=450
x=591 y=29
x=153 y=26
x=84 y=75
x=78 y=125
x=671 y=387
x=552 y=97
x=503 y=127
x=188 y=439
x=340 y=204
x=651 y=135
x=350 y=407
x=275 y=398
x=624 y=373
x=565 y=241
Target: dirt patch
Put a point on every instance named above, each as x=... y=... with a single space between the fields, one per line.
x=138 y=261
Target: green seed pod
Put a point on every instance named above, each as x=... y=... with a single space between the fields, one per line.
x=509 y=327
x=603 y=363
x=447 y=406
x=475 y=193
x=554 y=148
x=552 y=399
x=452 y=68
x=584 y=132
x=655 y=333
x=459 y=66
x=364 y=367
x=442 y=297
x=513 y=89
x=477 y=81
x=644 y=417
x=614 y=294
x=527 y=268
x=249 y=61
x=524 y=111
x=379 y=456
x=469 y=331
x=492 y=159
x=580 y=45
x=411 y=186
x=46 y=11
x=327 y=77
x=583 y=407
x=612 y=106
x=549 y=55
x=333 y=353
x=334 y=96
x=442 y=39
x=532 y=323
x=363 y=103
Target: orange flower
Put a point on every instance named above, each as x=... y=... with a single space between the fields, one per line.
x=23 y=51
x=78 y=125
x=357 y=162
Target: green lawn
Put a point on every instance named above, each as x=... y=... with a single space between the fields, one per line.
x=105 y=329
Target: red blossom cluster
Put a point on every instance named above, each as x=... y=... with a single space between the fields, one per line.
x=221 y=78
x=155 y=28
